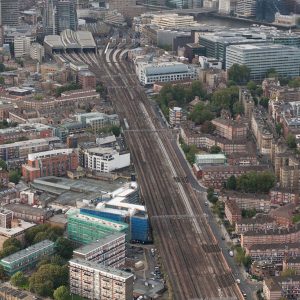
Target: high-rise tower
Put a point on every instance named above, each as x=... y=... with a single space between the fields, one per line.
x=9 y=12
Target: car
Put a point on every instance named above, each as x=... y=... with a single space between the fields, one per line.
x=206 y=203
x=238 y=281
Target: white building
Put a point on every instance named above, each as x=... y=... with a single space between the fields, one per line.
x=149 y=73
x=176 y=116
x=37 y=52
x=173 y=21
x=94 y=281
x=246 y=8
x=227 y=6
x=22 y=45
x=262 y=57
x=105 y=159
x=287 y=20
x=108 y=251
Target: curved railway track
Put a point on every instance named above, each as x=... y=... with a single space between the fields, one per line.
x=191 y=256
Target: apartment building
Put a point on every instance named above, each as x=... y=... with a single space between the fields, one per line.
x=25 y=131
x=230 y=129
x=108 y=251
x=87 y=79
x=262 y=132
x=50 y=163
x=276 y=288
x=6 y=217
x=283 y=215
x=104 y=159
x=277 y=236
x=84 y=229
x=18 y=151
x=4 y=178
x=95 y=281
x=176 y=116
x=27 y=258
x=28 y=213
x=206 y=141
x=232 y=212
x=282 y=196
x=217 y=176
x=257 y=223
x=248 y=103
x=273 y=252
x=292 y=263
x=259 y=202
x=37 y=52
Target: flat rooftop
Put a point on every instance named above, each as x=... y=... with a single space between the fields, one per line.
x=101 y=242
x=26 y=252
x=101 y=268
x=10 y=232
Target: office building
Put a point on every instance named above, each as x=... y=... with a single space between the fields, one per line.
x=9 y=12
x=246 y=8
x=27 y=258
x=85 y=229
x=108 y=251
x=149 y=73
x=98 y=120
x=261 y=57
x=6 y=217
x=94 y=281
x=50 y=163
x=173 y=21
x=59 y=15
x=104 y=159
x=22 y=45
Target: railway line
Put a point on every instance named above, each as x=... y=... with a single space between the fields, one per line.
x=190 y=253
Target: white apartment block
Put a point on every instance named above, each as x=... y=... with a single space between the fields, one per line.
x=22 y=45
x=37 y=52
x=105 y=159
x=176 y=115
x=173 y=21
x=94 y=281
x=109 y=251
x=149 y=73
x=227 y=6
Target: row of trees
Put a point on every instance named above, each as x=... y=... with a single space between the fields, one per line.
x=252 y=182
x=69 y=87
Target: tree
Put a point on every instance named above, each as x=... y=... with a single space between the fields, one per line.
x=200 y=114
x=14 y=176
x=2 y=67
x=2 y=81
x=288 y=272
x=64 y=248
x=231 y=183
x=8 y=251
x=239 y=73
x=291 y=141
x=253 y=182
x=264 y=102
x=271 y=73
x=19 y=279
x=208 y=127
x=12 y=242
x=278 y=128
x=215 y=149
x=237 y=108
x=294 y=83
x=61 y=293
x=251 y=85
x=116 y=130
x=3 y=165
x=2 y=273
x=248 y=213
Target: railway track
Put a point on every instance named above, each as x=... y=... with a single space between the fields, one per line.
x=194 y=262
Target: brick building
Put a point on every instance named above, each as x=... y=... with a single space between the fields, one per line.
x=217 y=176
x=278 y=236
x=282 y=196
x=50 y=163
x=259 y=222
x=259 y=202
x=4 y=178
x=87 y=79
x=232 y=212
x=231 y=129
x=273 y=252
x=292 y=263
x=276 y=288
x=284 y=215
